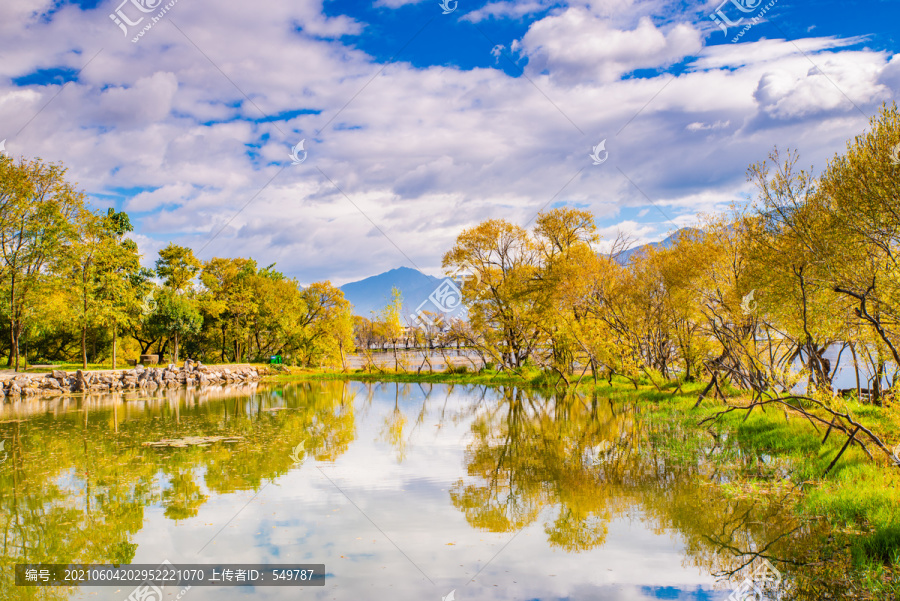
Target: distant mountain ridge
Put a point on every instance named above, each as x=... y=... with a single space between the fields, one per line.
x=373 y=293
x=626 y=255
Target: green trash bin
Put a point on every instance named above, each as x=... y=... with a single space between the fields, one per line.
x=275 y=360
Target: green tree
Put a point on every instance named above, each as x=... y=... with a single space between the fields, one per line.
x=38 y=212
x=178 y=315
x=177 y=266
x=101 y=266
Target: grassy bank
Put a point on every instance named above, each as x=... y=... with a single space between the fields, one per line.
x=859 y=498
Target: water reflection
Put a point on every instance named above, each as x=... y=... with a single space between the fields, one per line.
x=401 y=489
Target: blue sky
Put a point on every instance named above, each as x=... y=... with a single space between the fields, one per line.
x=417 y=124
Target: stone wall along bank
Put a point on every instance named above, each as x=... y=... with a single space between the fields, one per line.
x=192 y=373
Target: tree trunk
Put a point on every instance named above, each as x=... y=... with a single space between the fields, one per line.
x=13 y=326
x=12 y=341
x=175 y=355
x=84 y=346
x=114 y=347
x=15 y=348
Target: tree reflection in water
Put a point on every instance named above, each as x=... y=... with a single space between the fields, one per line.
x=76 y=481
x=584 y=462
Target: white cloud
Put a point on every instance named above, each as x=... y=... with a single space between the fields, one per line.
x=508 y=10
x=422 y=152
x=576 y=47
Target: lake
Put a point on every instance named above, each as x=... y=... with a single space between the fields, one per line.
x=402 y=491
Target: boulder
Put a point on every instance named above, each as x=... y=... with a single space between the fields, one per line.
x=82 y=382
x=59 y=375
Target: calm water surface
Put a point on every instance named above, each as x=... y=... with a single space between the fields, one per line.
x=403 y=491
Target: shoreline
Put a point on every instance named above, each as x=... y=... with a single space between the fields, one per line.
x=56 y=383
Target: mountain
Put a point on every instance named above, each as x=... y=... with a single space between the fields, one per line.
x=373 y=293
x=626 y=255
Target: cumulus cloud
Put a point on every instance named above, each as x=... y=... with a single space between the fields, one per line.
x=576 y=47
x=191 y=127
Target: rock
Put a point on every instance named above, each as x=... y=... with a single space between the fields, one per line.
x=81 y=382
x=13 y=389
x=59 y=375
